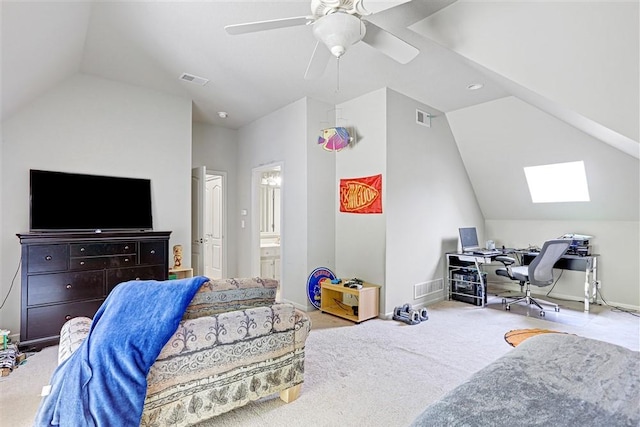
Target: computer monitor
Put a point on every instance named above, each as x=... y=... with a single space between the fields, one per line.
x=468 y=239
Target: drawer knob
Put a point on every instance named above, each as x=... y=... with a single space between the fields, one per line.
x=126 y=247
x=81 y=262
x=68 y=286
x=153 y=251
x=67 y=317
x=48 y=258
x=81 y=249
x=126 y=260
x=137 y=278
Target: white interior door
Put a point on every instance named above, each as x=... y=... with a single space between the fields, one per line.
x=198 y=191
x=214 y=228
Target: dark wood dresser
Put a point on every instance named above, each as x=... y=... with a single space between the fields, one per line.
x=67 y=275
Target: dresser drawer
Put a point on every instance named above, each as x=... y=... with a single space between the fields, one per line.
x=152 y=253
x=97 y=249
x=119 y=275
x=62 y=287
x=46 y=321
x=97 y=263
x=42 y=258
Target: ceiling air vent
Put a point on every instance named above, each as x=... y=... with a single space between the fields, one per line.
x=423 y=118
x=193 y=79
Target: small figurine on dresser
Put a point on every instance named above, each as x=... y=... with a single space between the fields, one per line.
x=177 y=256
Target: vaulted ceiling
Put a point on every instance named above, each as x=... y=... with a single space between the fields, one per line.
x=577 y=61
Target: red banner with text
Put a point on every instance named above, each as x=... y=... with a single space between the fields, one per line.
x=361 y=195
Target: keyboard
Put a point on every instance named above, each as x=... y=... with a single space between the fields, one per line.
x=488 y=252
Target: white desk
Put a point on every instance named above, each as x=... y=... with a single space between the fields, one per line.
x=457 y=262
x=588 y=264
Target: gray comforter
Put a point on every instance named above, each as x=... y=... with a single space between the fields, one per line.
x=548 y=380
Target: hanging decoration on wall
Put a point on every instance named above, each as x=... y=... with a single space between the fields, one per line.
x=336 y=132
x=361 y=195
x=335 y=138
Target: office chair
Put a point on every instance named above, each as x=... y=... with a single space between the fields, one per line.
x=538 y=273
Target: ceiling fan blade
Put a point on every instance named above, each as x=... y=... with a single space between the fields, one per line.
x=252 y=27
x=390 y=45
x=318 y=62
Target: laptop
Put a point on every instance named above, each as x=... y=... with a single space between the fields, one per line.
x=469 y=242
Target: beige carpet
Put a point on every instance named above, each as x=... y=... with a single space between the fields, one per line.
x=378 y=373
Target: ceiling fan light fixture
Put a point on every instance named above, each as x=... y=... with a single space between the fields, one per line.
x=338 y=31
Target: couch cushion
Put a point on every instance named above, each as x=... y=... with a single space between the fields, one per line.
x=72 y=333
x=222 y=295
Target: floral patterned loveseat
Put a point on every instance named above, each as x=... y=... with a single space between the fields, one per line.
x=234 y=344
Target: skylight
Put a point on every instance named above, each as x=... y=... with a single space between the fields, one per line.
x=560 y=182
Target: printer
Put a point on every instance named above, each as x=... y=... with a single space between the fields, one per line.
x=579 y=244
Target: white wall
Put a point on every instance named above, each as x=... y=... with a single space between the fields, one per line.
x=96 y=126
x=5 y=289
x=321 y=205
x=43 y=44
x=615 y=241
x=428 y=197
x=361 y=238
x=283 y=136
x=216 y=148
x=498 y=139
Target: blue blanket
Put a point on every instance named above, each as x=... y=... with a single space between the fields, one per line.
x=104 y=382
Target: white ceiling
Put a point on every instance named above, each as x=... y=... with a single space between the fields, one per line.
x=151 y=43
x=544 y=65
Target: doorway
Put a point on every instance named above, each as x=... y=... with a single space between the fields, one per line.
x=208 y=225
x=267 y=224
x=213 y=231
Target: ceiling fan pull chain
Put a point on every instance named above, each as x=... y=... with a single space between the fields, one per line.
x=338 y=74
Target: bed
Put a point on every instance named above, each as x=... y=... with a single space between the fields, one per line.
x=548 y=380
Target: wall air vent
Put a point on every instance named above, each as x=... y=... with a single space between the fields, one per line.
x=423 y=118
x=194 y=79
x=423 y=289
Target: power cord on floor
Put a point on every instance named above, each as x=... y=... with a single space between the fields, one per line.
x=615 y=307
x=556 y=298
x=342 y=305
x=554 y=284
x=12 y=282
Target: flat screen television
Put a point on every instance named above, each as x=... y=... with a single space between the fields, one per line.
x=61 y=201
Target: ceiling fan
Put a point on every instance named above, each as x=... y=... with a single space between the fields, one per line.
x=337 y=24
